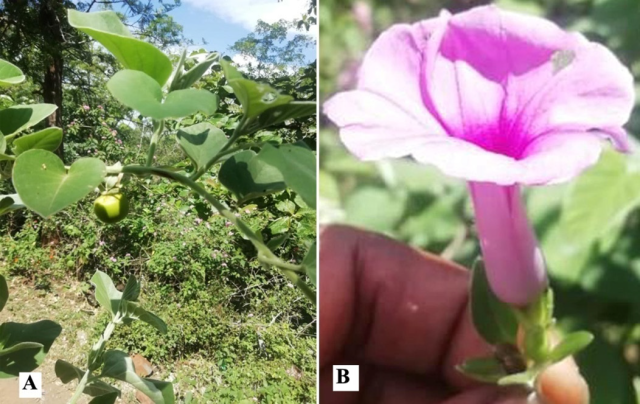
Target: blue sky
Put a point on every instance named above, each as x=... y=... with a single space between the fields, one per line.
x=222 y=22
x=198 y=24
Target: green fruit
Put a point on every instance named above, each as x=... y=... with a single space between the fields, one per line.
x=111 y=208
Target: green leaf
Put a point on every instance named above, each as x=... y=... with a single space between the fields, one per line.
x=607 y=372
x=255 y=97
x=20 y=346
x=292 y=110
x=280 y=225
x=139 y=91
x=131 y=290
x=66 y=372
x=118 y=365
x=106 y=28
x=44 y=185
x=493 y=319
x=25 y=360
x=248 y=176
x=571 y=344
x=9 y=203
x=362 y=210
x=4 y=292
x=20 y=117
x=277 y=241
x=187 y=79
x=46 y=139
x=109 y=398
x=488 y=370
x=135 y=312
x=297 y=165
x=597 y=204
x=201 y=142
x=106 y=293
x=10 y=74
x=309 y=263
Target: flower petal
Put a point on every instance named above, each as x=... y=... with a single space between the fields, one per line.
x=461 y=159
x=392 y=66
x=558 y=157
x=481 y=53
x=595 y=91
x=372 y=127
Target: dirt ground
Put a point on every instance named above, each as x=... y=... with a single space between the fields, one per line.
x=68 y=307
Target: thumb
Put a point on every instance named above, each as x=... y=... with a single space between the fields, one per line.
x=562 y=384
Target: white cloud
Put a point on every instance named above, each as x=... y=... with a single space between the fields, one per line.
x=248 y=12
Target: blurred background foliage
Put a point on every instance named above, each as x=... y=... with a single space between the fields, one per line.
x=589 y=228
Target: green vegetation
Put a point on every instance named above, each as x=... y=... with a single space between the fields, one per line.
x=210 y=262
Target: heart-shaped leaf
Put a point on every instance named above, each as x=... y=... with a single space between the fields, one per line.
x=10 y=74
x=247 y=176
x=139 y=91
x=493 y=319
x=106 y=293
x=66 y=372
x=118 y=365
x=20 y=117
x=201 y=142
x=135 y=312
x=255 y=97
x=9 y=203
x=106 y=28
x=46 y=139
x=44 y=185
x=4 y=292
x=297 y=164
x=292 y=110
x=25 y=360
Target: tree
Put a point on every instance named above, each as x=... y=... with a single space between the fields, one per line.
x=37 y=38
x=271 y=49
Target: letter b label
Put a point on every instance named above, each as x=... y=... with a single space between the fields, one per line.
x=346 y=378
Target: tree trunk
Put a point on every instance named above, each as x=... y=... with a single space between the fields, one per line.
x=53 y=37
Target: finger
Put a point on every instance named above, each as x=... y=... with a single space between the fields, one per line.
x=390 y=305
x=563 y=384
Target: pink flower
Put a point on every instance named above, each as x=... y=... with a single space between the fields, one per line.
x=495 y=98
x=86 y=107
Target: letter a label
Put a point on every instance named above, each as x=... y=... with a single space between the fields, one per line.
x=30 y=385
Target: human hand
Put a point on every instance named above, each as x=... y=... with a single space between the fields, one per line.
x=402 y=315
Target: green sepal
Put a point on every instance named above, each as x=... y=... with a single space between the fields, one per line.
x=494 y=320
x=488 y=370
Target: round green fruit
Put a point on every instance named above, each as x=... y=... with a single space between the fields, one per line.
x=111 y=208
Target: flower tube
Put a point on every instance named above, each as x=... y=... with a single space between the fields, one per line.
x=498 y=99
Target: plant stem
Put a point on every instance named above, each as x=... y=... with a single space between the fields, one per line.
x=94 y=355
x=281 y=264
x=202 y=170
x=154 y=142
x=264 y=253
x=80 y=388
